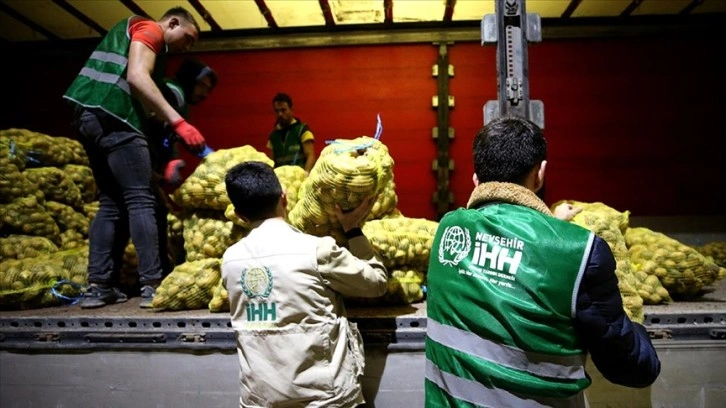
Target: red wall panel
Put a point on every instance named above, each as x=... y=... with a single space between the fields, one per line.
x=633 y=123
x=630 y=122
x=338 y=92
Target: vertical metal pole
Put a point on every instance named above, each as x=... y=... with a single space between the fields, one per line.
x=442 y=133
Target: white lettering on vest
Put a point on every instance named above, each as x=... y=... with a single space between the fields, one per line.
x=498 y=256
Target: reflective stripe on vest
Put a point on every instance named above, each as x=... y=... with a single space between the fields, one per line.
x=106 y=78
x=104 y=56
x=480 y=395
x=101 y=83
x=542 y=365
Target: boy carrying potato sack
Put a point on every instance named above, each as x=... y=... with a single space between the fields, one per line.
x=285 y=290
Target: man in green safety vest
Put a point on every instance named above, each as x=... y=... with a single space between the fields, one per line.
x=115 y=94
x=292 y=141
x=518 y=297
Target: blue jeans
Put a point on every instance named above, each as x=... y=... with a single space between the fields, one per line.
x=121 y=163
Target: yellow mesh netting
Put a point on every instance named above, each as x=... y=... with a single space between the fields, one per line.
x=220 y=299
x=205 y=188
x=402 y=241
x=681 y=269
x=189 y=286
x=207 y=234
x=25 y=246
x=346 y=172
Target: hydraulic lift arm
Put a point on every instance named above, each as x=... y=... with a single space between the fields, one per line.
x=511 y=28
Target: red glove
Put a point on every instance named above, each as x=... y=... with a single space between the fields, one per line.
x=189 y=134
x=172 y=172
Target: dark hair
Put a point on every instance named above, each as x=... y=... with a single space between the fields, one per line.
x=283 y=97
x=254 y=190
x=182 y=13
x=507 y=149
x=190 y=71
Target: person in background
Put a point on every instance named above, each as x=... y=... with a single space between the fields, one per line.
x=295 y=344
x=291 y=142
x=191 y=84
x=114 y=95
x=517 y=298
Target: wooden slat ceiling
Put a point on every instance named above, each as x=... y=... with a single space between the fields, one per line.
x=56 y=20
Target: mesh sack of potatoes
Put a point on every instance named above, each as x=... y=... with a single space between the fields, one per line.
x=26 y=216
x=714 y=250
x=189 y=286
x=386 y=202
x=396 y=213
x=25 y=246
x=82 y=177
x=128 y=272
x=67 y=217
x=14 y=184
x=70 y=239
x=291 y=178
x=207 y=234
x=598 y=214
x=649 y=286
x=220 y=299
x=90 y=210
x=607 y=223
x=175 y=238
x=346 y=172
x=402 y=241
x=75 y=262
x=404 y=287
x=9 y=151
x=56 y=185
x=205 y=188
x=236 y=220
x=632 y=301
x=681 y=269
x=27 y=283
x=42 y=150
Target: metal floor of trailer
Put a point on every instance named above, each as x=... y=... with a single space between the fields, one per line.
x=123 y=356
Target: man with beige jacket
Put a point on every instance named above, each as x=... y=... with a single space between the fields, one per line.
x=295 y=345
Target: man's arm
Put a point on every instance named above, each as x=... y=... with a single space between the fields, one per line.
x=141 y=65
x=309 y=152
x=358 y=272
x=620 y=348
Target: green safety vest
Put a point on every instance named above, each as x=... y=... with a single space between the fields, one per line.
x=174 y=94
x=502 y=286
x=102 y=81
x=287 y=146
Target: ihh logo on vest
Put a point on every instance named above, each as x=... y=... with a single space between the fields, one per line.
x=454 y=246
x=496 y=250
x=504 y=255
x=257 y=283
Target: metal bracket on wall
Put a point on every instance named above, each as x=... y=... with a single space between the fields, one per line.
x=511 y=28
x=442 y=165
